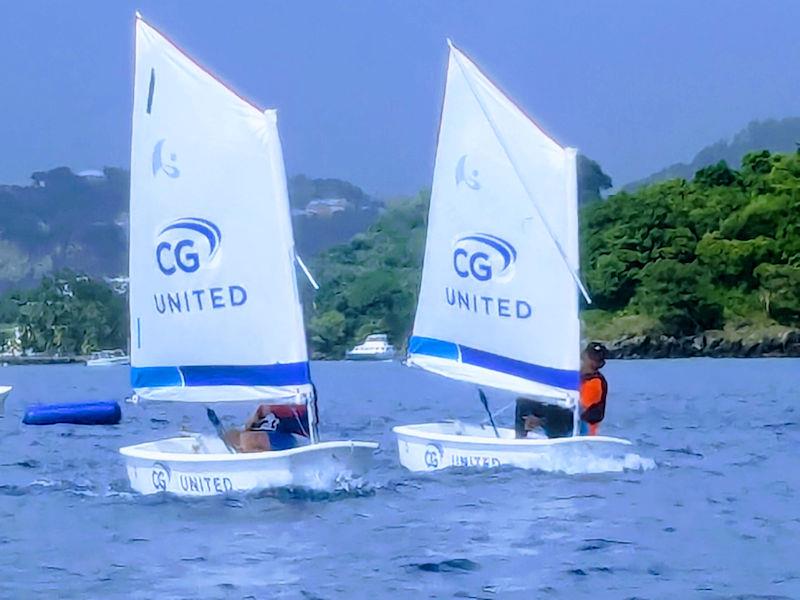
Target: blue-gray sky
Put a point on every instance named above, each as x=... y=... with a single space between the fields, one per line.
x=358 y=84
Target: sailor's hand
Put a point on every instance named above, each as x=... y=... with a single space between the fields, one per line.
x=257 y=417
x=532 y=422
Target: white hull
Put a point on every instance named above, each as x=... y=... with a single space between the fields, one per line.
x=389 y=355
x=201 y=466
x=5 y=390
x=107 y=362
x=435 y=446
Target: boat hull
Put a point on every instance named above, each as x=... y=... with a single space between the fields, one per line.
x=108 y=362
x=201 y=466
x=374 y=356
x=436 y=446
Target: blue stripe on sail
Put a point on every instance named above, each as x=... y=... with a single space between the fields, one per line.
x=262 y=375
x=432 y=347
x=155 y=377
x=560 y=378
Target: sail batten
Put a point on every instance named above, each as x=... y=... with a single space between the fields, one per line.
x=214 y=306
x=498 y=302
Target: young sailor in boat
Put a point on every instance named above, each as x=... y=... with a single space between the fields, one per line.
x=556 y=421
x=270 y=428
x=594 y=388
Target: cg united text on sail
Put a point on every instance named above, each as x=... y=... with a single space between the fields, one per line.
x=484 y=258
x=185 y=246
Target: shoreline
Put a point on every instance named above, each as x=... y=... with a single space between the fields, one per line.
x=41 y=360
x=712 y=344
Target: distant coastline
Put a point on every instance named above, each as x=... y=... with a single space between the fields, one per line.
x=710 y=344
x=41 y=360
x=715 y=344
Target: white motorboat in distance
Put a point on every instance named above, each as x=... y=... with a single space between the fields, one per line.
x=215 y=313
x=498 y=301
x=375 y=347
x=106 y=358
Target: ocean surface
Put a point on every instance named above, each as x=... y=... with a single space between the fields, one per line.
x=711 y=511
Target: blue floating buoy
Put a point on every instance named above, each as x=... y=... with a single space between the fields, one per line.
x=77 y=413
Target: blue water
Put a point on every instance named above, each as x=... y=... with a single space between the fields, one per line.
x=718 y=517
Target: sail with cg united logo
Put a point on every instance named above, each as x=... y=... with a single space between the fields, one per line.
x=214 y=307
x=498 y=303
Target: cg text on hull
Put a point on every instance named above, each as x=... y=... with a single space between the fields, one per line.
x=201 y=466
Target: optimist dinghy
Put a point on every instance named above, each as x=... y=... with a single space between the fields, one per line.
x=215 y=313
x=498 y=303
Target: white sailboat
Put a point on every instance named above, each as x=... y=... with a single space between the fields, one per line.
x=215 y=313
x=498 y=303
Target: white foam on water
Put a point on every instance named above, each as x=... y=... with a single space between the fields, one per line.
x=584 y=462
x=346 y=482
x=62 y=485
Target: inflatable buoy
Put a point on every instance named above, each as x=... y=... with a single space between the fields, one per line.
x=82 y=413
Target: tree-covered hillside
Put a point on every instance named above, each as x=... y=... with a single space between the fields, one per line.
x=64 y=220
x=689 y=256
x=674 y=258
x=371 y=283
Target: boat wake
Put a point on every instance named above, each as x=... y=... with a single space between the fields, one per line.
x=587 y=463
x=342 y=485
x=43 y=486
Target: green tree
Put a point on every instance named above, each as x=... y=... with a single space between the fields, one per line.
x=372 y=281
x=592 y=181
x=69 y=314
x=733 y=262
x=678 y=295
x=716 y=175
x=780 y=292
x=327 y=332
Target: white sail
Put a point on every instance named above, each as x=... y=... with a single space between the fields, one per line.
x=214 y=307
x=498 y=303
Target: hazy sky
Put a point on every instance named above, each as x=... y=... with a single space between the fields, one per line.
x=358 y=85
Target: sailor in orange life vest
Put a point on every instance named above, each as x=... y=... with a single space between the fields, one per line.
x=277 y=427
x=594 y=388
x=556 y=421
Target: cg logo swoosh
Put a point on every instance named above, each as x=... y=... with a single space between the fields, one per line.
x=463 y=174
x=177 y=249
x=160 y=165
x=483 y=256
x=433 y=455
x=161 y=476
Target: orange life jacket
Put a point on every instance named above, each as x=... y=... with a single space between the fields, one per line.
x=594 y=389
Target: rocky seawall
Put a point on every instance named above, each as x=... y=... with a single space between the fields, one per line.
x=40 y=360
x=711 y=343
